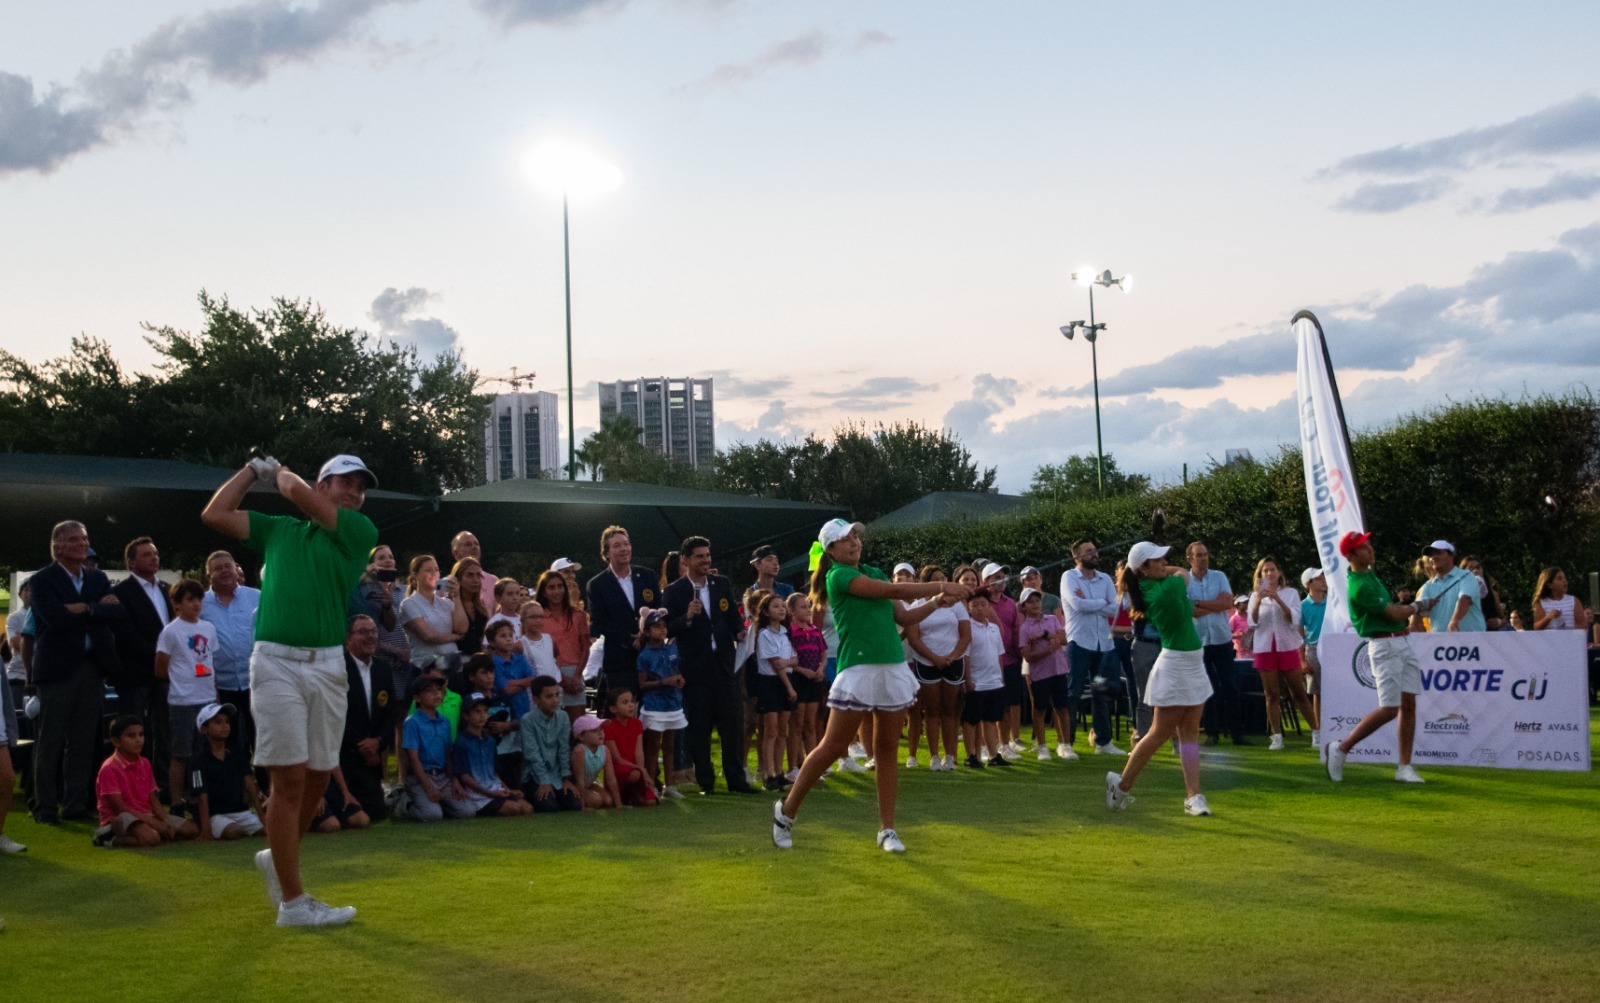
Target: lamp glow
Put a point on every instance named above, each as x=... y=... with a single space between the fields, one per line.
x=564 y=168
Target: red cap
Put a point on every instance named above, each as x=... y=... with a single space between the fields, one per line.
x=1352 y=540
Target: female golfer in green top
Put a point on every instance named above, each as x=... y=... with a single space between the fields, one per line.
x=873 y=676
x=1178 y=687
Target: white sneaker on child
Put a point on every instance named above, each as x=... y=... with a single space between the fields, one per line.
x=890 y=841
x=671 y=793
x=269 y=875
x=1064 y=751
x=911 y=762
x=849 y=765
x=1041 y=753
x=857 y=751
x=782 y=827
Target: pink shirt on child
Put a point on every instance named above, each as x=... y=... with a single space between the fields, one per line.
x=134 y=780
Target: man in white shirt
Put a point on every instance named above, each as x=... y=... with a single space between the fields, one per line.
x=1211 y=595
x=1090 y=599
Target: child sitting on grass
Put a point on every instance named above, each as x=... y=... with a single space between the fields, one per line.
x=183 y=659
x=425 y=745
x=340 y=809
x=487 y=676
x=546 y=737
x=475 y=788
x=592 y=771
x=624 y=738
x=221 y=783
x=661 y=682
x=125 y=791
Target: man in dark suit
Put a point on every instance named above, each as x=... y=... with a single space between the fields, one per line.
x=369 y=718
x=149 y=609
x=705 y=619
x=615 y=597
x=75 y=649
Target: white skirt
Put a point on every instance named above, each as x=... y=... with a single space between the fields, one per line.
x=663 y=720
x=874 y=687
x=1178 y=680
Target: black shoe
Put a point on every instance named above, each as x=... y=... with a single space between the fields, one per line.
x=1241 y=740
x=772 y=784
x=742 y=788
x=974 y=763
x=46 y=818
x=999 y=761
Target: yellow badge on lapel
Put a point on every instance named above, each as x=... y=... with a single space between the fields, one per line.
x=722 y=604
x=383 y=698
x=649 y=596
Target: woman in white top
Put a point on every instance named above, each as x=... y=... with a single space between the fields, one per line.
x=1274 y=614
x=938 y=645
x=1554 y=608
x=429 y=618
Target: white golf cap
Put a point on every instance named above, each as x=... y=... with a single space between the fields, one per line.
x=345 y=463
x=211 y=710
x=563 y=563
x=991 y=569
x=1438 y=545
x=1026 y=595
x=1143 y=551
x=1309 y=575
x=1029 y=570
x=904 y=566
x=835 y=530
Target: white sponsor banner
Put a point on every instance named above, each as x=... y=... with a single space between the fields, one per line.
x=1330 y=476
x=1518 y=700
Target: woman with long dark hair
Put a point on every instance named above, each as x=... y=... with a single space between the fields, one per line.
x=568 y=627
x=874 y=680
x=1178 y=687
x=938 y=645
x=1554 y=608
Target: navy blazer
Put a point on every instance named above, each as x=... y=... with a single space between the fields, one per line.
x=59 y=636
x=723 y=621
x=139 y=630
x=614 y=618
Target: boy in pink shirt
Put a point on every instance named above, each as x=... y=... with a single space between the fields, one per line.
x=131 y=814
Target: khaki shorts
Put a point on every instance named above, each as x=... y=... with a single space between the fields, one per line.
x=1394 y=669
x=117 y=827
x=298 y=697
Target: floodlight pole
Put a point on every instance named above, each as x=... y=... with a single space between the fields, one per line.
x=566 y=267
x=1094 y=363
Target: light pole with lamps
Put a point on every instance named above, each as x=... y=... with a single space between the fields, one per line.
x=560 y=166
x=1091 y=334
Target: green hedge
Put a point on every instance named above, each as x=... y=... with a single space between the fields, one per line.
x=1476 y=473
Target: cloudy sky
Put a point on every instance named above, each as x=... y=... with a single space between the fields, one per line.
x=840 y=209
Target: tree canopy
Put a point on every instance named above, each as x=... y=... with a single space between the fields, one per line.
x=1075 y=477
x=283 y=379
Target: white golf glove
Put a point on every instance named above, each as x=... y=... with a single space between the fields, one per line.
x=266 y=469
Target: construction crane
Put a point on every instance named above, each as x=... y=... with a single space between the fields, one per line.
x=516 y=381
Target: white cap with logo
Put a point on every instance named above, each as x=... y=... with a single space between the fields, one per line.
x=345 y=463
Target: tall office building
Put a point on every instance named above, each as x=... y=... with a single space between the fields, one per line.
x=675 y=415
x=519 y=439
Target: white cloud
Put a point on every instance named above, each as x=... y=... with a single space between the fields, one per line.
x=393 y=311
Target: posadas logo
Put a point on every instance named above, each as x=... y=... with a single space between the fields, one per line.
x=1450 y=724
x=1361 y=665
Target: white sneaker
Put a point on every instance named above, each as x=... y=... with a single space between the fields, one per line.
x=1109 y=749
x=9 y=845
x=1196 y=805
x=1316 y=738
x=1335 y=762
x=792 y=775
x=1407 y=774
x=870 y=764
x=1117 y=799
x=1010 y=754
x=671 y=793
x=857 y=751
x=1065 y=751
x=1015 y=746
x=911 y=762
x=849 y=765
x=949 y=761
x=1042 y=753
x=307 y=911
x=269 y=874
x=889 y=840
x=782 y=827
x=1276 y=744
x=985 y=756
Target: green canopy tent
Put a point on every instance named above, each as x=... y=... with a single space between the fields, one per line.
x=119 y=498
x=545 y=519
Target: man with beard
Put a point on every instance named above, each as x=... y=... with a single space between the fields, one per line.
x=1091 y=600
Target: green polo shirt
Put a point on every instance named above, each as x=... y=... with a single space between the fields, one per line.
x=1168 y=607
x=309 y=575
x=1368 y=597
x=867 y=632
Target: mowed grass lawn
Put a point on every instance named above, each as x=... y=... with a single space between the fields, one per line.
x=1018 y=885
